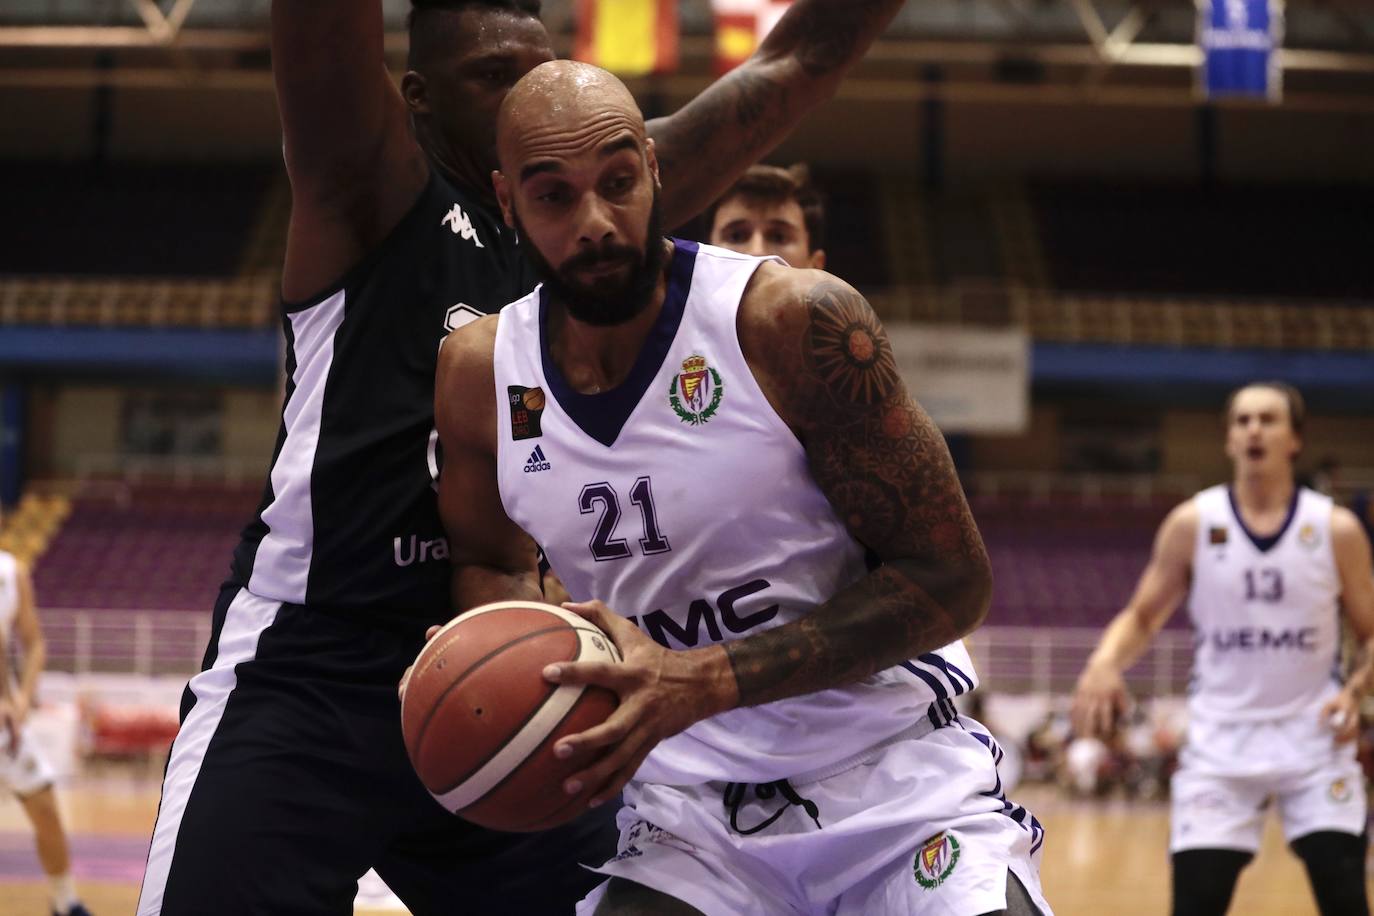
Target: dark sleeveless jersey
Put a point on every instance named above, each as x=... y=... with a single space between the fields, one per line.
x=350 y=516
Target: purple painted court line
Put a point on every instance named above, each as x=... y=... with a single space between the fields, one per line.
x=94 y=857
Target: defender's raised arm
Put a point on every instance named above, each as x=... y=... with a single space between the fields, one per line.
x=737 y=120
x=353 y=164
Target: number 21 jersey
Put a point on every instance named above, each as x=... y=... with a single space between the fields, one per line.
x=682 y=500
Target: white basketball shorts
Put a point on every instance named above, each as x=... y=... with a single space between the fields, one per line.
x=23 y=769
x=1230 y=774
x=916 y=825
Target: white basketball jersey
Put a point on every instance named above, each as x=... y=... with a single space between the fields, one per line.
x=1266 y=611
x=9 y=595
x=684 y=502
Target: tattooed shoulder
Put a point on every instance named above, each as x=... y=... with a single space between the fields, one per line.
x=845 y=346
x=824 y=354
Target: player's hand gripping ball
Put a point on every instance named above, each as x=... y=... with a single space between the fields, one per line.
x=480 y=720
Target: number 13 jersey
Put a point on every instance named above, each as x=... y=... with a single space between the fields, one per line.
x=682 y=500
x=1266 y=611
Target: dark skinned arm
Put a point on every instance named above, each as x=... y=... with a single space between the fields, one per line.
x=493 y=559
x=737 y=120
x=354 y=167
x=824 y=362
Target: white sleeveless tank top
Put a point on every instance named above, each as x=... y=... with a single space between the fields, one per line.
x=9 y=595
x=1266 y=612
x=684 y=502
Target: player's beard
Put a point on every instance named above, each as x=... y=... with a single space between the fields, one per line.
x=608 y=300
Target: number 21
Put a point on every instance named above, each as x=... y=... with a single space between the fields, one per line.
x=604 y=544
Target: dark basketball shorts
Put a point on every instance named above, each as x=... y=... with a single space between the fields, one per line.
x=289 y=779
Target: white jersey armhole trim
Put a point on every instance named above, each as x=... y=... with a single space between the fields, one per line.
x=770 y=413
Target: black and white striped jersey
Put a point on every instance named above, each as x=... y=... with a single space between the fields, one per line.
x=350 y=517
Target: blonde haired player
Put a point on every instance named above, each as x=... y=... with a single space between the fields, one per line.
x=1268 y=569
x=23 y=768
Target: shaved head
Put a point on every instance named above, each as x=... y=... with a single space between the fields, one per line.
x=579 y=182
x=559 y=107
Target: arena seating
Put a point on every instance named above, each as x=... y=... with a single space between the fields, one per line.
x=1065 y=564
x=1229 y=242
x=852 y=199
x=164 y=220
x=201 y=246
x=1059 y=562
x=144 y=547
x=142 y=246
x=33 y=524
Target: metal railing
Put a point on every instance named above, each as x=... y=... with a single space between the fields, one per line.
x=1038 y=660
x=1048 y=660
x=125 y=642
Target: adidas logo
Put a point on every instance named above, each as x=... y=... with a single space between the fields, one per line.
x=537 y=462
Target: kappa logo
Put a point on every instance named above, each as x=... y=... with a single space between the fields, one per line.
x=537 y=462
x=461 y=224
x=935 y=860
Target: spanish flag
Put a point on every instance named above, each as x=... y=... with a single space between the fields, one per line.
x=741 y=26
x=628 y=37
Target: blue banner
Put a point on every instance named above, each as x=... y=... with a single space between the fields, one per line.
x=1240 y=41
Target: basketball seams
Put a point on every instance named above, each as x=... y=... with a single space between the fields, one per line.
x=534 y=733
x=551 y=817
x=518 y=757
x=437 y=703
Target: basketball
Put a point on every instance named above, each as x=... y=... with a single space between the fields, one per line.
x=533 y=399
x=480 y=721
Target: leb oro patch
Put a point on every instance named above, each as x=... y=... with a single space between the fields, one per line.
x=526 y=410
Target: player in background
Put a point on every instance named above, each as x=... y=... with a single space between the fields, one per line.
x=278 y=797
x=772 y=211
x=1268 y=569
x=23 y=769
x=714 y=440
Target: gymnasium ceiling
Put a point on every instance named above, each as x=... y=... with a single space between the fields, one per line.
x=1089 y=46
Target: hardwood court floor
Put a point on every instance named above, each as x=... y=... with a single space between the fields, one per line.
x=1100 y=857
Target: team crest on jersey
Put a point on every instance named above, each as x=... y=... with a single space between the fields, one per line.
x=526 y=409
x=1340 y=791
x=696 y=391
x=1309 y=537
x=936 y=860
x=1217 y=534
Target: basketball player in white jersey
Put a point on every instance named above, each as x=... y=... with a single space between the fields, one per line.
x=1268 y=569
x=23 y=769
x=707 y=442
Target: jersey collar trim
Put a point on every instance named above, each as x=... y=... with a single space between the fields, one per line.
x=602 y=416
x=1264 y=544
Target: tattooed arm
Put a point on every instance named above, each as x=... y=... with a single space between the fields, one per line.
x=738 y=119
x=824 y=362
